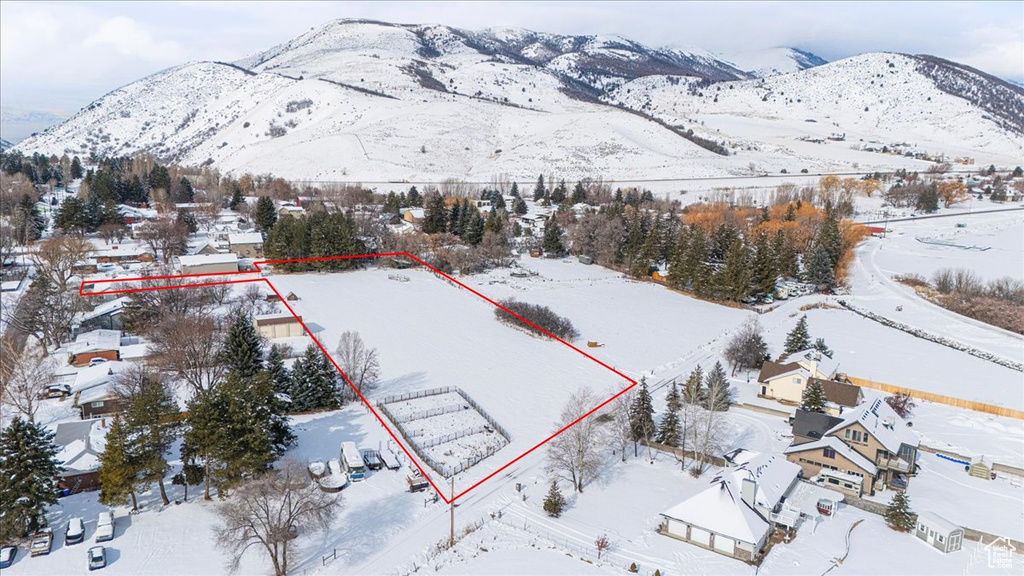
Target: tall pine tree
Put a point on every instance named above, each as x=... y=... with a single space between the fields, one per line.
x=641 y=416
x=120 y=467
x=668 y=431
x=243 y=350
x=29 y=465
x=718 y=395
x=798 y=338
x=898 y=514
x=813 y=397
x=266 y=214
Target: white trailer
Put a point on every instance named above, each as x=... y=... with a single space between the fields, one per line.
x=352 y=461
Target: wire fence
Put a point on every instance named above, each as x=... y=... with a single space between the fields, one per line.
x=422 y=414
x=419 y=447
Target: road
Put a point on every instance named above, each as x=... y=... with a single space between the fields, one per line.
x=957 y=215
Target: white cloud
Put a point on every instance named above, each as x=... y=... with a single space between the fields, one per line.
x=127 y=37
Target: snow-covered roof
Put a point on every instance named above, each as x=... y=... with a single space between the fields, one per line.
x=720 y=507
x=416 y=212
x=826 y=365
x=81 y=444
x=121 y=251
x=200 y=259
x=93 y=376
x=245 y=238
x=933 y=520
x=882 y=422
x=275 y=318
x=96 y=339
x=101 y=310
x=841 y=448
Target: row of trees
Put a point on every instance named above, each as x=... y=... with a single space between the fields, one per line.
x=318 y=234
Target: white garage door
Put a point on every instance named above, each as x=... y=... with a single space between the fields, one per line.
x=723 y=544
x=700 y=536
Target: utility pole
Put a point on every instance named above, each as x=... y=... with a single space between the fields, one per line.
x=451 y=528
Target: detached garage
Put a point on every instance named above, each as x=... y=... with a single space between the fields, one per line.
x=282 y=325
x=208 y=264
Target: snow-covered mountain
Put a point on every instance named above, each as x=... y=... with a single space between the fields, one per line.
x=17 y=124
x=4 y=144
x=377 y=102
x=774 y=61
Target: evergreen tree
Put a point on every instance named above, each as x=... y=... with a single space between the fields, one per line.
x=579 y=194
x=553 y=238
x=821 y=346
x=828 y=235
x=519 y=206
x=435 y=217
x=539 y=191
x=279 y=375
x=641 y=416
x=247 y=445
x=669 y=432
x=558 y=194
x=30 y=223
x=515 y=190
x=898 y=515
x=474 y=233
x=71 y=217
x=183 y=192
x=243 y=350
x=717 y=395
x=236 y=197
x=732 y=280
x=798 y=338
x=678 y=272
x=696 y=265
x=554 y=502
x=763 y=270
x=119 y=467
x=76 y=168
x=29 y=465
x=187 y=220
x=819 y=269
x=149 y=409
x=265 y=216
x=693 y=389
x=204 y=433
x=313 y=382
x=413 y=199
x=813 y=397
x=785 y=256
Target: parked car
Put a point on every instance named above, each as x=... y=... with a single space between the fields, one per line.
x=372 y=459
x=97 y=558
x=7 y=556
x=41 y=542
x=97 y=360
x=57 y=391
x=75 y=532
x=105 y=527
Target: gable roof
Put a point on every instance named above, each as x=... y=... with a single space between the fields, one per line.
x=200 y=259
x=825 y=364
x=720 y=507
x=841 y=448
x=812 y=424
x=933 y=520
x=245 y=238
x=771 y=370
x=840 y=393
x=81 y=444
x=882 y=422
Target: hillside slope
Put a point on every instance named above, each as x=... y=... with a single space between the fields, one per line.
x=376 y=102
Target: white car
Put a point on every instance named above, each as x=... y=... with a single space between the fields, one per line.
x=75 y=532
x=105 y=527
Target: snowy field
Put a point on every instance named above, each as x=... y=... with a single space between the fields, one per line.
x=431 y=334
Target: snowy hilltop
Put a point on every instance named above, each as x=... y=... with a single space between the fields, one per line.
x=374 y=101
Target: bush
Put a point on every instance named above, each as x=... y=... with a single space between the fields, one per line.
x=541 y=316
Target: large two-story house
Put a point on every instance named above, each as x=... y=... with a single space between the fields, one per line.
x=870 y=442
x=787 y=379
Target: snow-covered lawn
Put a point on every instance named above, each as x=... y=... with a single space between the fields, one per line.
x=431 y=334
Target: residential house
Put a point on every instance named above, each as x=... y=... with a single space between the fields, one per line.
x=787 y=379
x=98 y=402
x=279 y=325
x=811 y=426
x=940 y=533
x=208 y=264
x=413 y=215
x=870 y=441
x=105 y=316
x=104 y=344
x=246 y=244
x=734 y=515
x=289 y=209
x=117 y=254
x=205 y=249
x=80 y=445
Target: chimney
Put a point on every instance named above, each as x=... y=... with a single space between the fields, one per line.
x=747 y=490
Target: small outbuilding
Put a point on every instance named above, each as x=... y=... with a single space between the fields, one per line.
x=279 y=325
x=208 y=263
x=940 y=533
x=980 y=469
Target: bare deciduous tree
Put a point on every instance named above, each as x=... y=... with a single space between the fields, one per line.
x=620 y=431
x=190 y=346
x=165 y=237
x=58 y=256
x=575 y=454
x=270 y=511
x=358 y=362
x=24 y=377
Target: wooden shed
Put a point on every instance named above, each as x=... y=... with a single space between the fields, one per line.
x=940 y=533
x=980 y=469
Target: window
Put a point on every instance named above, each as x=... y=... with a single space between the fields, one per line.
x=921 y=527
x=828 y=453
x=847 y=433
x=97 y=404
x=798 y=380
x=940 y=538
x=856 y=435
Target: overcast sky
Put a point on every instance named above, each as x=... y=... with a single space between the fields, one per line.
x=58 y=57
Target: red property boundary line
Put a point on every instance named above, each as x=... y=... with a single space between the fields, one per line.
x=632 y=383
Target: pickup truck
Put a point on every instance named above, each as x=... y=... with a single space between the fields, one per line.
x=41 y=542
